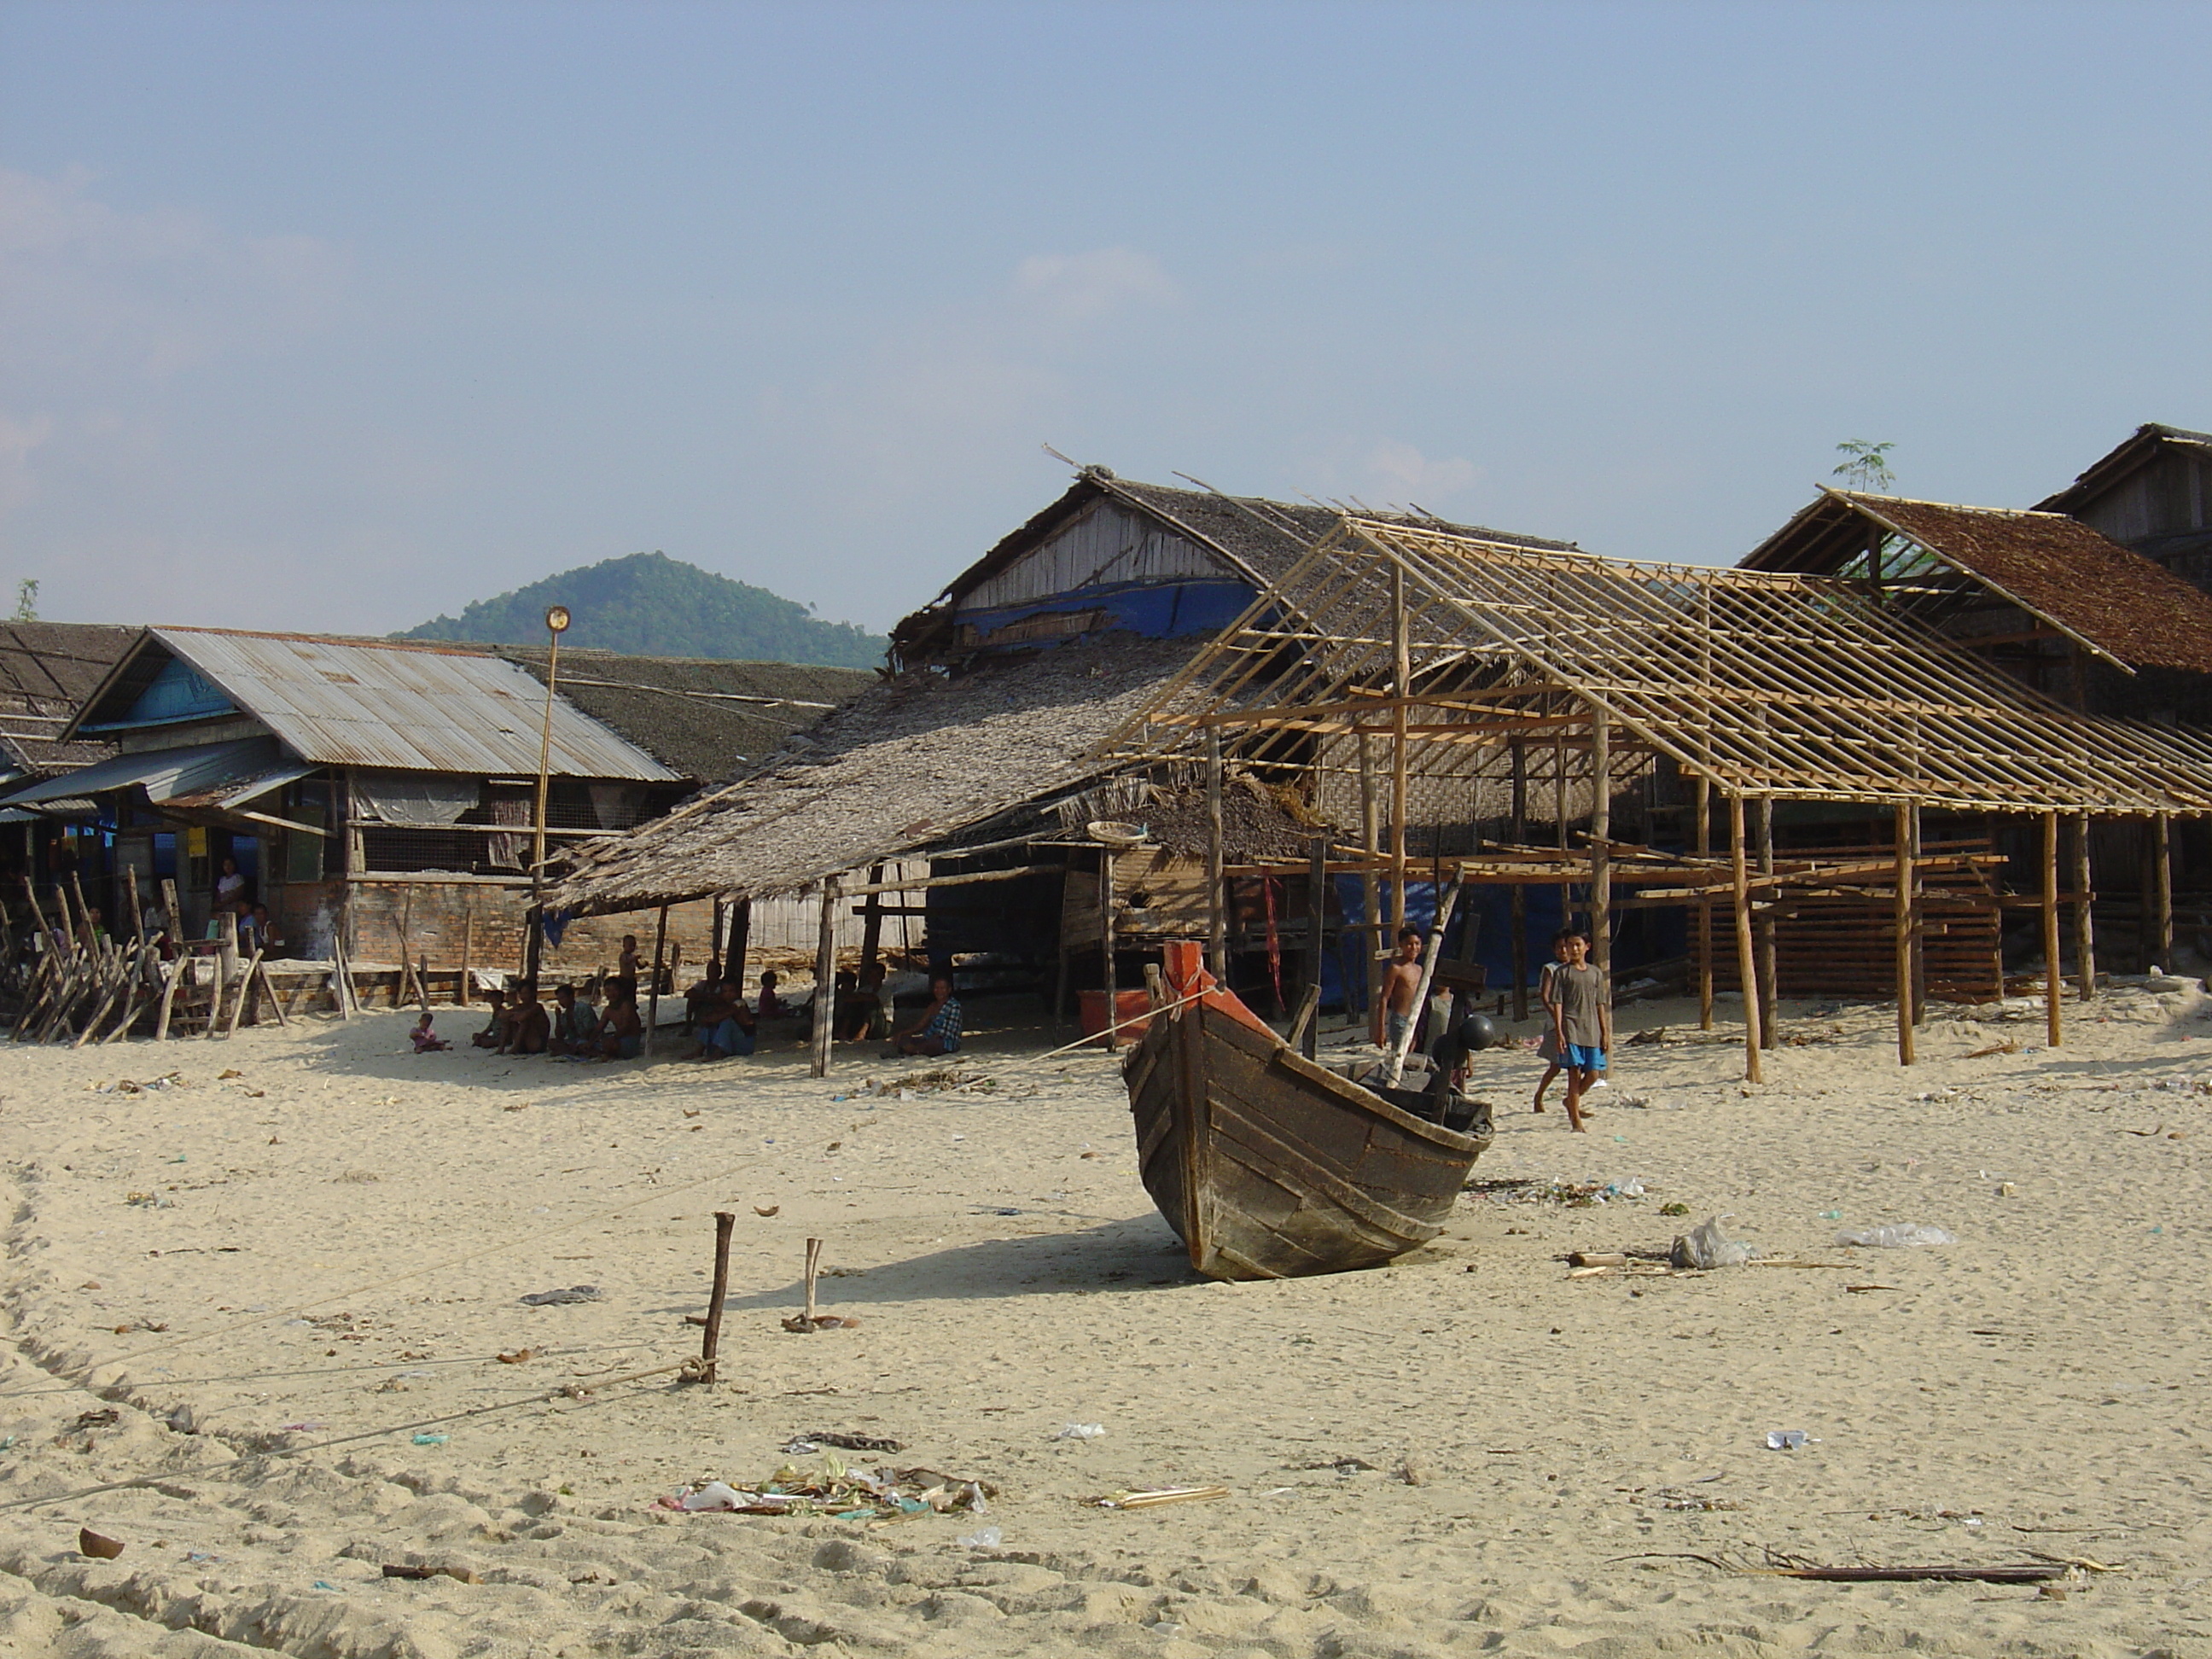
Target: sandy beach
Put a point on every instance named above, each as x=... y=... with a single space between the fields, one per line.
x=311 y=1243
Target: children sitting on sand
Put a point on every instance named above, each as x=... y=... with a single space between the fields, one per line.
x=576 y=1024
x=426 y=1041
x=527 y=1029
x=622 y=1033
x=494 y=1035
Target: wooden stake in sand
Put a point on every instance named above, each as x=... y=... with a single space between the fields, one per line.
x=1703 y=806
x=1217 y=921
x=809 y=1320
x=1601 y=840
x=653 y=994
x=1110 y=1037
x=724 y=1220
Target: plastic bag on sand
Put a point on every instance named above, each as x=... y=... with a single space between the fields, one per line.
x=1706 y=1246
x=983 y=1538
x=715 y=1495
x=1898 y=1235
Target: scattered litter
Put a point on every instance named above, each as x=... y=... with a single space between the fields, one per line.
x=562 y=1298
x=1786 y=1439
x=461 y=1574
x=1145 y=1500
x=846 y=1494
x=1673 y=1209
x=432 y=1439
x=814 y=1439
x=324 y=1583
x=98 y=1545
x=517 y=1357
x=983 y=1538
x=1705 y=1246
x=105 y=1418
x=305 y=1428
x=1081 y=1431
x=1897 y=1236
x=766 y=1209
x=800 y=1323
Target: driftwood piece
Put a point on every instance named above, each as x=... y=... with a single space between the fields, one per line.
x=245 y=991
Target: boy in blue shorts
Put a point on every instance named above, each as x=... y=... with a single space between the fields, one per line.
x=1581 y=998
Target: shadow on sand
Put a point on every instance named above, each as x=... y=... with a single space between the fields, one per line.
x=1136 y=1253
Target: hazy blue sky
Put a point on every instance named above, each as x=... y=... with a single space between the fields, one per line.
x=335 y=315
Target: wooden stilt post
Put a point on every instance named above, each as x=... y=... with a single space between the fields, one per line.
x=739 y=942
x=1600 y=839
x=1746 y=970
x=465 y=993
x=1216 y=921
x=1370 y=843
x=2084 y=935
x=1901 y=921
x=2054 y=1031
x=1703 y=806
x=1402 y=674
x=1112 y=978
x=1559 y=822
x=1769 y=985
x=2161 y=890
x=1517 y=897
x=225 y=969
x=1919 y=924
x=825 y=982
x=1317 y=929
x=712 y=1340
x=653 y=991
x=871 y=920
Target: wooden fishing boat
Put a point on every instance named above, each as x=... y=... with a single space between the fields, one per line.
x=1267 y=1166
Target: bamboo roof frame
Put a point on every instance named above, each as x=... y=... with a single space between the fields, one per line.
x=1765 y=684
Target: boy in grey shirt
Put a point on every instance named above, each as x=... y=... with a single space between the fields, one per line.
x=1581 y=999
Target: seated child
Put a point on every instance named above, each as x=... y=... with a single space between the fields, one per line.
x=426 y=1041
x=493 y=1034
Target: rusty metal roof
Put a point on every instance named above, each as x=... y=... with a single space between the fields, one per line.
x=2108 y=596
x=410 y=707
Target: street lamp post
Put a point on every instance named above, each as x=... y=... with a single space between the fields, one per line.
x=556 y=625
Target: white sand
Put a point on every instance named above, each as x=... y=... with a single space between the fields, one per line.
x=2044 y=1377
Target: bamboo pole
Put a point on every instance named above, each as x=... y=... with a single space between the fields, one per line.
x=1517 y=895
x=1402 y=674
x=1308 y=1036
x=1217 y=923
x=1919 y=921
x=1112 y=981
x=1600 y=839
x=2084 y=932
x=1769 y=988
x=2161 y=876
x=1901 y=920
x=1747 y=971
x=1445 y=906
x=1370 y=843
x=1703 y=798
x=1560 y=822
x=653 y=995
x=825 y=982
x=2055 y=1030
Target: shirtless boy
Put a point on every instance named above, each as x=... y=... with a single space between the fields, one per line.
x=1401 y=982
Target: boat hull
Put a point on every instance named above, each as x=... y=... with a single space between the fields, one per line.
x=1269 y=1166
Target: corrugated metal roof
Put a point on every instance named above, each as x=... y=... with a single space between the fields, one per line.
x=166 y=773
x=409 y=707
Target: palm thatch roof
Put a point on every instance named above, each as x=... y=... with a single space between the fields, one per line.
x=902 y=768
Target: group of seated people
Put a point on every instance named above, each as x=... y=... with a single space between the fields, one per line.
x=571 y=1030
x=721 y=1024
